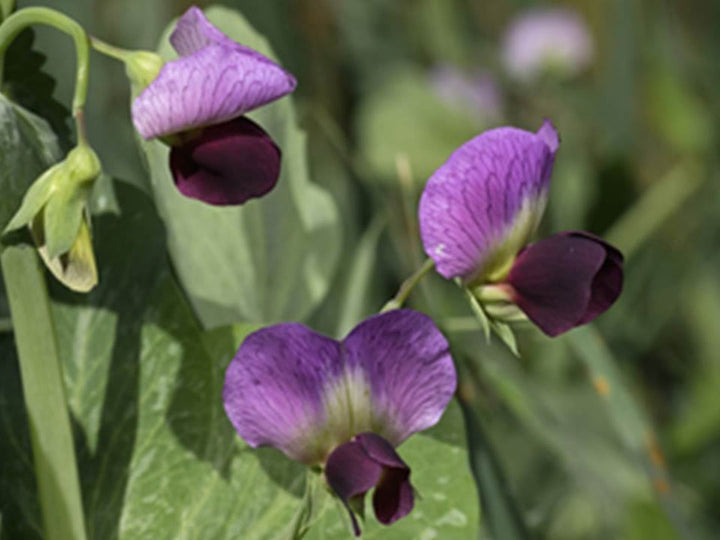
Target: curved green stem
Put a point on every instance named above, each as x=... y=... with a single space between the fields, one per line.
x=407 y=286
x=110 y=50
x=19 y=20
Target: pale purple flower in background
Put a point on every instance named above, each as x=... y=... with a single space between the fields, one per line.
x=554 y=39
x=196 y=104
x=478 y=93
x=478 y=212
x=344 y=405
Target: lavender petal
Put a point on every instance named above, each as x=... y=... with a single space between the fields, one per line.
x=214 y=84
x=409 y=368
x=273 y=390
x=490 y=192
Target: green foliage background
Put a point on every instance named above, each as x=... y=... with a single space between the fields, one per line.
x=570 y=422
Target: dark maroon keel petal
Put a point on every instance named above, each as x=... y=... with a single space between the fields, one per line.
x=226 y=164
x=370 y=461
x=350 y=472
x=393 y=498
x=566 y=280
x=608 y=282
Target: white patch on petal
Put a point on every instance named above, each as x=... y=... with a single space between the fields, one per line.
x=347 y=402
x=500 y=256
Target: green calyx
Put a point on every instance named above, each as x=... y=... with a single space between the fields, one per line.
x=142 y=67
x=55 y=209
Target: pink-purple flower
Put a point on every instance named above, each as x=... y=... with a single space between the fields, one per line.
x=196 y=104
x=344 y=405
x=540 y=39
x=477 y=214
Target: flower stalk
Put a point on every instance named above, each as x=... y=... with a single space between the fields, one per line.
x=407 y=286
x=20 y=20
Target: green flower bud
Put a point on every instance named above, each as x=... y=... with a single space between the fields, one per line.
x=55 y=209
x=142 y=67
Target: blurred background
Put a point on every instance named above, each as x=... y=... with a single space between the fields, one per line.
x=610 y=432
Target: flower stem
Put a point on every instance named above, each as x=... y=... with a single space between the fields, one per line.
x=110 y=50
x=50 y=431
x=19 y=20
x=407 y=286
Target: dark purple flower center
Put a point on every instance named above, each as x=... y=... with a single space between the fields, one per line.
x=226 y=164
x=566 y=280
x=370 y=461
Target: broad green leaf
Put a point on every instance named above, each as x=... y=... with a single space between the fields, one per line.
x=446 y=503
x=27 y=148
x=26 y=83
x=269 y=260
x=402 y=116
x=359 y=279
x=158 y=457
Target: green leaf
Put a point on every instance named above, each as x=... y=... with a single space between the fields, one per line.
x=27 y=84
x=27 y=148
x=269 y=260
x=317 y=497
x=18 y=491
x=158 y=457
x=403 y=116
x=502 y=516
x=360 y=273
x=446 y=503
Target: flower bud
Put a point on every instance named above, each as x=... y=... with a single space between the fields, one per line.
x=142 y=67
x=55 y=209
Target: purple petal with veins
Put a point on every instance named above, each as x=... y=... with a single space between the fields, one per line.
x=305 y=394
x=486 y=200
x=566 y=280
x=214 y=80
x=407 y=362
x=226 y=164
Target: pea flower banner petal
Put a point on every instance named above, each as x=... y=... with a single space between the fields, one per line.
x=214 y=80
x=324 y=402
x=482 y=205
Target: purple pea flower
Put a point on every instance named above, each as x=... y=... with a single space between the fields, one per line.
x=344 y=405
x=196 y=104
x=547 y=38
x=478 y=93
x=477 y=214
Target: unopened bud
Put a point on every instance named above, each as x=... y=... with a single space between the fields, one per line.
x=142 y=67
x=55 y=209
